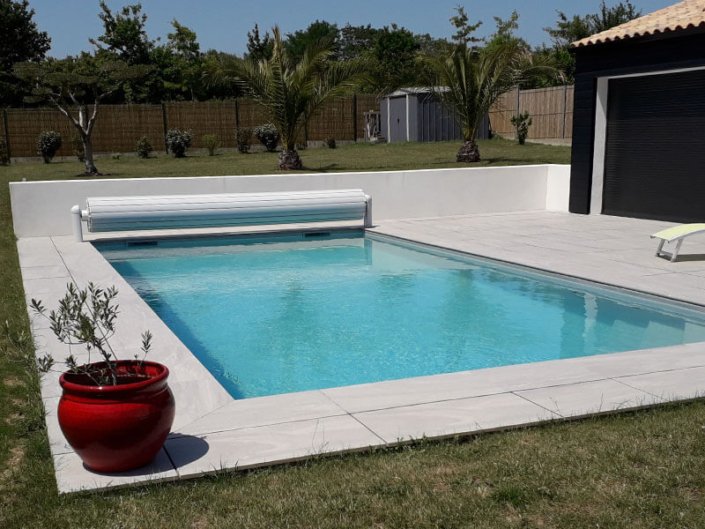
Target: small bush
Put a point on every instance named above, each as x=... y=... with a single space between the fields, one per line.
x=242 y=138
x=144 y=148
x=177 y=141
x=521 y=123
x=210 y=142
x=4 y=153
x=330 y=142
x=48 y=143
x=268 y=135
x=78 y=150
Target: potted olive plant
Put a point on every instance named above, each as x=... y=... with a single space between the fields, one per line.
x=116 y=414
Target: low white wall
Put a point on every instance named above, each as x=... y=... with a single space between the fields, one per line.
x=558 y=188
x=42 y=208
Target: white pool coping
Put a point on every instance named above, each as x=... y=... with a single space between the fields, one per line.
x=213 y=432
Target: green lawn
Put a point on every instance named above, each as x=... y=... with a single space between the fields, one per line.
x=355 y=157
x=643 y=469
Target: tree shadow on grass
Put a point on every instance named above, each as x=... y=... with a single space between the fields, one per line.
x=324 y=168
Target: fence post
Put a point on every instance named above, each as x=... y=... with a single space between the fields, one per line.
x=354 y=117
x=565 y=106
x=518 y=101
x=164 y=125
x=237 y=113
x=7 y=132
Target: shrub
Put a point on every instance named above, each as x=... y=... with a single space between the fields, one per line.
x=268 y=135
x=4 y=153
x=144 y=148
x=242 y=138
x=330 y=142
x=48 y=142
x=78 y=150
x=177 y=141
x=210 y=142
x=521 y=123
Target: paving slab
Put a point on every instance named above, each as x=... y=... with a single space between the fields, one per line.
x=588 y=398
x=276 y=444
x=681 y=384
x=480 y=382
x=265 y=411
x=72 y=476
x=453 y=417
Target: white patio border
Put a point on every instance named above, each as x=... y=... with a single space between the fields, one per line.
x=213 y=432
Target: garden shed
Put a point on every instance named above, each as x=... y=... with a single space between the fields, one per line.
x=416 y=114
x=639 y=118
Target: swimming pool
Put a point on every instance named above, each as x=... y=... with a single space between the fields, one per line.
x=291 y=312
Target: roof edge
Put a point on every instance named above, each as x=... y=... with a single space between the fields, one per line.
x=596 y=39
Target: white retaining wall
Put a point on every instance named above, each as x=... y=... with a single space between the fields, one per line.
x=42 y=208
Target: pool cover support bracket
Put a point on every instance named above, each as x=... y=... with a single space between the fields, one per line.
x=77 y=220
x=368 y=211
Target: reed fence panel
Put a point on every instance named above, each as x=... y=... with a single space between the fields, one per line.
x=201 y=118
x=119 y=127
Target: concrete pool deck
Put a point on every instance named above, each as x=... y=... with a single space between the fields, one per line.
x=213 y=432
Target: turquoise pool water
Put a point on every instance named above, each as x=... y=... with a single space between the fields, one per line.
x=288 y=313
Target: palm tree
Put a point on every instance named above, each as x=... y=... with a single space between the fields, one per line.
x=471 y=80
x=290 y=91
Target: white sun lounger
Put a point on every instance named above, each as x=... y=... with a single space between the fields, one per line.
x=675 y=234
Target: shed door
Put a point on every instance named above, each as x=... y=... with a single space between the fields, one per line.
x=397 y=119
x=655 y=147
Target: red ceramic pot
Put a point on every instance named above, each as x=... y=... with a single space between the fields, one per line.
x=121 y=427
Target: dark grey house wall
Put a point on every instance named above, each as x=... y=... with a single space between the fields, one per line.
x=631 y=56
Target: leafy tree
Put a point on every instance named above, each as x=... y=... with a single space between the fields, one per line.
x=471 y=80
x=125 y=39
x=216 y=78
x=570 y=29
x=290 y=91
x=393 y=63
x=76 y=86
x=506 y=28
x=258 y=48
x=356 y=41
x=21 y=41
x=463 y=28
x=318 y=33
x=124 y=34
x=609 y=17
x=185 y=69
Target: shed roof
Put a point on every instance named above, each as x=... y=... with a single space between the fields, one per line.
x=411 y=90
x=684 y=15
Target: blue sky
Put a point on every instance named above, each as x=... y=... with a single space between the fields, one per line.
x=223 y=24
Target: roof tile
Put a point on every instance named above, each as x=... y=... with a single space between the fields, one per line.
x=683 y=15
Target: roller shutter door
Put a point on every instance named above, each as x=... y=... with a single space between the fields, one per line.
x=655 y=147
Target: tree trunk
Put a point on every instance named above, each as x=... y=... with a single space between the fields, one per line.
x=468 y=152
x=289 y=160
x=91 y=169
